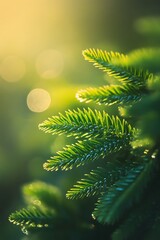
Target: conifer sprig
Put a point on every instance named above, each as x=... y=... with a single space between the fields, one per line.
x=99 y=180
x=142 y=219
x=130 y=155
x=111 y=94
x=86 y=123
x=110 y=63
x=33 y=217
x=86 y=151
x=121 y=196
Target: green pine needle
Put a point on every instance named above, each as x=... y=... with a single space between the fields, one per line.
x=128 y=190
x=124 y=181
x=85 y=151
x=142 y=218
x=99 y=180
x=86 y=123
x=110 y=63
x=33 y=217
x=111 y=94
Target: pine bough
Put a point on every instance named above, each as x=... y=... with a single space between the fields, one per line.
x=127 y=170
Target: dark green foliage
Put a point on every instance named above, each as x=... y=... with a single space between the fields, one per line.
x=43 y=201
x=126 y=151
x=85 y=151
x=99 y=180
x=33 y=217
x=103 y=134
x=142 y=219
x=46 y=209
x=129 y=189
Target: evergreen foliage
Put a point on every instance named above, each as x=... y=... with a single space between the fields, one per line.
x=86 y=123
x=111 y=94
x=126 y=150
x=110 y=62
x=113 y=204
x=43 y=200
x=33 y=217
x=46 y=209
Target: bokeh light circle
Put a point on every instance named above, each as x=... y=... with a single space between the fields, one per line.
x=49 y=64
x=38 y=100
x=12 y=69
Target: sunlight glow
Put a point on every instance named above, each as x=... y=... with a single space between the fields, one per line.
x=49 y=64
x=12 y=69
x=38 y=100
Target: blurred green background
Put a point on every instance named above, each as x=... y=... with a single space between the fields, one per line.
x=41 y=68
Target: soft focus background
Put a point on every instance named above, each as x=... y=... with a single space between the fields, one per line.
x=41 y=68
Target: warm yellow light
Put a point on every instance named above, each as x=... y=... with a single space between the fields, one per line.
x=12 y=69
x=38 y=100
x=49 y=64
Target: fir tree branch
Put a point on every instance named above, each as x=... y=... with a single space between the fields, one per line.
x=111 y=94
x=110 y=62
x=128 y=190
x=33 y=217
x=85 y=151
x=86 y=123
x=99 y=180
x=141 y=219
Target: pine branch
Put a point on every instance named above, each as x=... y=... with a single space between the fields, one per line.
x=33 y=217
x=110 y=63
x=85 y=151
x=111 y=94
x=42 y=194
x=99 y=180
x=128 y=190
x=141 y=220
x=86 y=123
